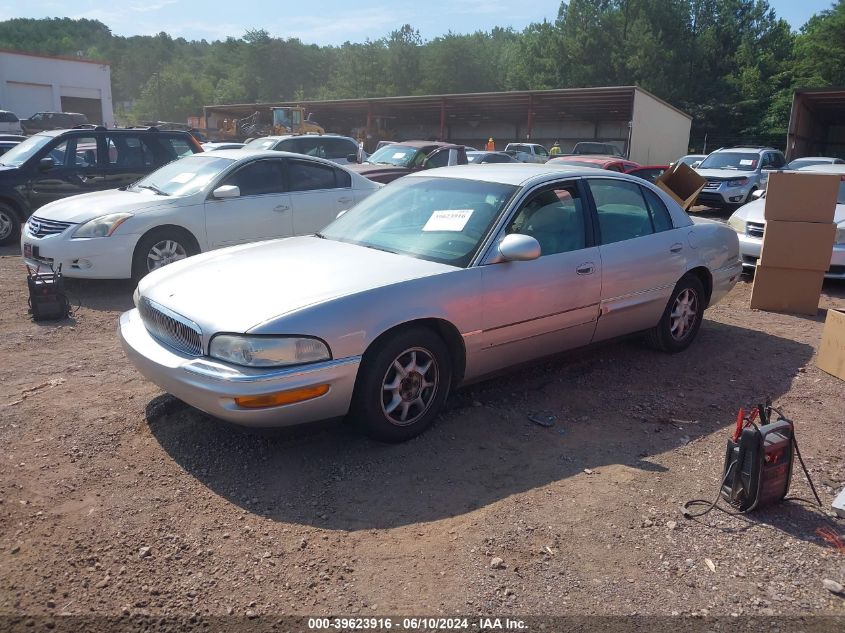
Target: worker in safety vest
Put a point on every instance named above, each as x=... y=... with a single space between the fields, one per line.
x=555 y=150
x=491 y=146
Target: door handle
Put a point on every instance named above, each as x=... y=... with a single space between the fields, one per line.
x=585 y=269
x=281 y=208
x=344 y=200
x=676 y=248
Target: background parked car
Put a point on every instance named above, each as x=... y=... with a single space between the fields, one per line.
x=592 y=147
x=527 y=152
x=809 y=161
x=490 y=157
x=399 y=159
x=9 y=122
x=333 y=147
x=438 y=279
x=733 y=174
x=749 y=222
x=61 y=163
x=648 y=172
x=596 y=162
x=192 y=205
x=8 y=141
x=42 y=121
x=214 y=146
x=691 y=160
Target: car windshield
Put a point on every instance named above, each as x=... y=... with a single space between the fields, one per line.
x=397 y=154
x=591 y=148
x=575 y=163
x=738 y=161
x=184 y=176
x=689 y=160
x=24 y=150
x=261 y=143
x=438 y=219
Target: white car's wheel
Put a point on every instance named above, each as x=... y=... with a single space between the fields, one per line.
x=161 y=247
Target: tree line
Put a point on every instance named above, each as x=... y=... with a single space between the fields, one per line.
x=731 y=64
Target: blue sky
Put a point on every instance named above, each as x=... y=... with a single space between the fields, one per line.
x=320 y=21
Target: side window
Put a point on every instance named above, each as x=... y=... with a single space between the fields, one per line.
x=307 y=176
x=339 y=148
x=128 y=152
x=555 y=218
x=259 y=178
x=622 y=210
x=541 y=151
x=75 y=152
x=779 y=161
x=311 y=147
x=178 y=146
x=659 y=213
x=614 y=167
x=438 y=159
x=343 y=179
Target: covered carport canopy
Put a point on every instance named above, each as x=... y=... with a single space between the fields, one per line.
x=817 y=123
x=522 y=109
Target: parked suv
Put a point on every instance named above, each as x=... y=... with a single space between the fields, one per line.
x=9 y=123
x=61 y=163
x=592 y=147
x=42 y=121
x=329 y=146
x=733 y=174
x=527 y=152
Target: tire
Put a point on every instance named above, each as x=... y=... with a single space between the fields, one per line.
x=10 y=224
x=681 y=319
x=171 y=243
x=383 y=396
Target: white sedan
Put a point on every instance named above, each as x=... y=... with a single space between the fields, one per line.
x=191 y=205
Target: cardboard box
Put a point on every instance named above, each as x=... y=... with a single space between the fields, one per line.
x=683 y=184
x=831 y=355
x=801 y=197
x=801 y=245
x=787 y=290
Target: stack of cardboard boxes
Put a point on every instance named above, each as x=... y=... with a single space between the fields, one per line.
x=797 y=242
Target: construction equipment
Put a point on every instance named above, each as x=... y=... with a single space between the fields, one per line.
x=292 y=120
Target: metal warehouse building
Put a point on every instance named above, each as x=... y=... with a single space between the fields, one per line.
x=817 y=123
x=646 y=128
x=36 y=83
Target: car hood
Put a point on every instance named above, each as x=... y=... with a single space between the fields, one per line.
x=238 y=288
x=88 y=206
x=368 y=169
x=724 y=174
x=754 y=212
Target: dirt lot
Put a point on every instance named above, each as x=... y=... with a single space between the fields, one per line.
x=119 y=499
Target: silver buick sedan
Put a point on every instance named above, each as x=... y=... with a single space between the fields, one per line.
x=436 y=280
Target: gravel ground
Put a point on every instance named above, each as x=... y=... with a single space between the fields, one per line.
x=118 y=499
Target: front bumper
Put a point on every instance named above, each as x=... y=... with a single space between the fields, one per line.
x=750 y=247
x=87 y=258
x=211 y=385
x=724 y=195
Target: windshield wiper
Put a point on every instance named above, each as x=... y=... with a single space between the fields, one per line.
x=154 y=189
x=320 y=235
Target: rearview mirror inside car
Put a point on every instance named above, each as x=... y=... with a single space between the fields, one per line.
x=46 y=163
x=519 y=248
x=227 y=191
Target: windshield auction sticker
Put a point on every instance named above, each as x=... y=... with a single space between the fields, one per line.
x=449 y=220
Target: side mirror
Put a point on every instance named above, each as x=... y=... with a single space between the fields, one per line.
x=227 y=191
x=46 y=163
x=758 y=193
x=519 y=248
x=352 y=158
x=696 y=164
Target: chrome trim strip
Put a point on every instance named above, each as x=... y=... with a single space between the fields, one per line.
x=546 y=316
x=207 y=368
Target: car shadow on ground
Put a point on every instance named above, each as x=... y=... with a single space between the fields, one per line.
x=619 y=403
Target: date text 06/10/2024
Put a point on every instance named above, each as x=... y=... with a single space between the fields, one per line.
x=411 y=624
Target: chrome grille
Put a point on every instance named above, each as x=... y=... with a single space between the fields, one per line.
x=39 y=227
x=170 y=328
x=712 y=184
x=755 y=229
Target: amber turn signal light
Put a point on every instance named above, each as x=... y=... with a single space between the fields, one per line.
x=281 y=397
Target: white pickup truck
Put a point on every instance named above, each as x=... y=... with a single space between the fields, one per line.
x=528 y=152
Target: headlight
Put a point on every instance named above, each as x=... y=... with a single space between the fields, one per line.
x=267 y=351
x=737 y=182
x=103 y=226
x=840 y=235
x=737 y=224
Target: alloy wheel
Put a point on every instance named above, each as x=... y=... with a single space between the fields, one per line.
x=409 y=386
x=684 y=314
x=6 y=225
x=163 y=253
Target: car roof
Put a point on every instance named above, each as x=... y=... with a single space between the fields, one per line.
x=744 y=148
x=831 y=159
x=426 y=144
x=827 y=168
x=243 y=154
x=281 y=137
x=513 y=173
x=111 y=130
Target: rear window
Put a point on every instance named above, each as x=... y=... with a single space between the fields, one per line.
x=8 y=117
